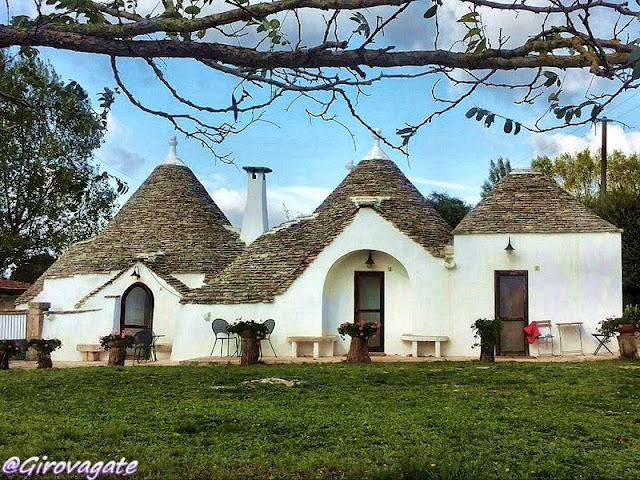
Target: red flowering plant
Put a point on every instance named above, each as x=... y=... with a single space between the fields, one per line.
x=44 y=345
x=10 y=348
x=255 y=328
x=124 y=336
x=359 y=329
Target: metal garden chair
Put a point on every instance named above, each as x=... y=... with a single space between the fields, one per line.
x=143 y=346
x=270 y=324
x=220 y=329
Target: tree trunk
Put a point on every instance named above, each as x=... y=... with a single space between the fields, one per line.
x=4 y=361
x=487 y=352
x=629 y=344
x=117 y=353
x=44 y=359
x=250 y=348
x=358 y=350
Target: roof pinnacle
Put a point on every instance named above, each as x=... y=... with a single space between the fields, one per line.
x=376 y=153
x=172 y=158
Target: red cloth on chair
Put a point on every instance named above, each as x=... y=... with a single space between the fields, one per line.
x=531 y=332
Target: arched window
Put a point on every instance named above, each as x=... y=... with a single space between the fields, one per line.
x=136 y=311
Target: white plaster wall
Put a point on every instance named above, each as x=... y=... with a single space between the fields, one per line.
x=191 y=280
x=64 y=292
x=572 y=277
x=299 y=311
x=88 y=327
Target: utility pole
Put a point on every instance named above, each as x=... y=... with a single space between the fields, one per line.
x=603 y=160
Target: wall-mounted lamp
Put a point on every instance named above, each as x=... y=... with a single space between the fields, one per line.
x=135 y=275
x=509 y=248
x=370 y=263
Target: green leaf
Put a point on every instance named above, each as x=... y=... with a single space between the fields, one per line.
x=508 y=125
x=471 y=112
x=517 y=129
x=635 y=74
x=469 y=18
x=275 y=23
x=192 y=10
x=595 y=111
x=471 y=33
x=404 y=131
x=481 y=113
x=482 y=46
x=489 y=120
x=431 y=11
x=634 y=56
x=568 y=116
x=234 y=107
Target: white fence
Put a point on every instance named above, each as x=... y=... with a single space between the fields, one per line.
x=13 y=325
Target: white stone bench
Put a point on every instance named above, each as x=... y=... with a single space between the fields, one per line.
x=417 y=339
x=330 y=339
x=90 y=353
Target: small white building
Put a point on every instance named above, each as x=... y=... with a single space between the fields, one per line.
x=373 y=250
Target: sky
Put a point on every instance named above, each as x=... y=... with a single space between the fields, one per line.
x=308 y=157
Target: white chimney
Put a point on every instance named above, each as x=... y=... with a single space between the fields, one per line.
x=256 y=217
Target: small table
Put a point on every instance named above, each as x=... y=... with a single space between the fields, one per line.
x=569 y=325
x=602 y=339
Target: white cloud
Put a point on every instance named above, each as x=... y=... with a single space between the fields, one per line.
x=439 y=183
x=118 y=149
x=554 y=144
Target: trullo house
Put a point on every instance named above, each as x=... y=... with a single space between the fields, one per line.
x=374 y=250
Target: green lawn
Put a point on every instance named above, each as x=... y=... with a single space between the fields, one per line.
x=380 y=421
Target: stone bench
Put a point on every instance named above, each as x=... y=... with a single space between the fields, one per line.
x=417 y=339
x=91 y=352
x=330 y=339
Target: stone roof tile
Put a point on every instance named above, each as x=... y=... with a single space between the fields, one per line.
x=171 y=213
x=529 y=202
x=276 y=259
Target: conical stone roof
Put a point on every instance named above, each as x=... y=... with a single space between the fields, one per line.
x=530 y=202
x=271 y=264
x=171 y=213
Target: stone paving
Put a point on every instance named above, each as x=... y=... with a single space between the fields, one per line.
x=204 y=361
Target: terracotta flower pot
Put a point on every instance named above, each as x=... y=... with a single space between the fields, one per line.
x=249 y=348
x=358 y=350
x=117 y=352
x=626 y=328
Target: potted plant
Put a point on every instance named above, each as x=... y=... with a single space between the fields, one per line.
x=360 y=333
x=117 y=343
x=488 y=331
x=43 y=348
x=8 y=349
x=626 y=326
x=250 y=333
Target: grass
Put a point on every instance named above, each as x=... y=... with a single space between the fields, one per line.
x=378 y=421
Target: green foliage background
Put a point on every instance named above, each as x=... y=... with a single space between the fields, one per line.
x=51 y=194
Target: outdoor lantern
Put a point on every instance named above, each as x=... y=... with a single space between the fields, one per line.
x=509 y=248
x=135 y=275
x=370 y=263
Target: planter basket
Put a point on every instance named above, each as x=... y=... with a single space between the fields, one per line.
x=117 y=352
x=359 y=350
x=249 y=347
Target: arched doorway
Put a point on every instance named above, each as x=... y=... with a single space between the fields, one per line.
x=355 y=290
x=136 y=312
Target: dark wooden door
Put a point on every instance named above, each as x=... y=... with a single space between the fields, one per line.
x=369 y=304
x=511 y=290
